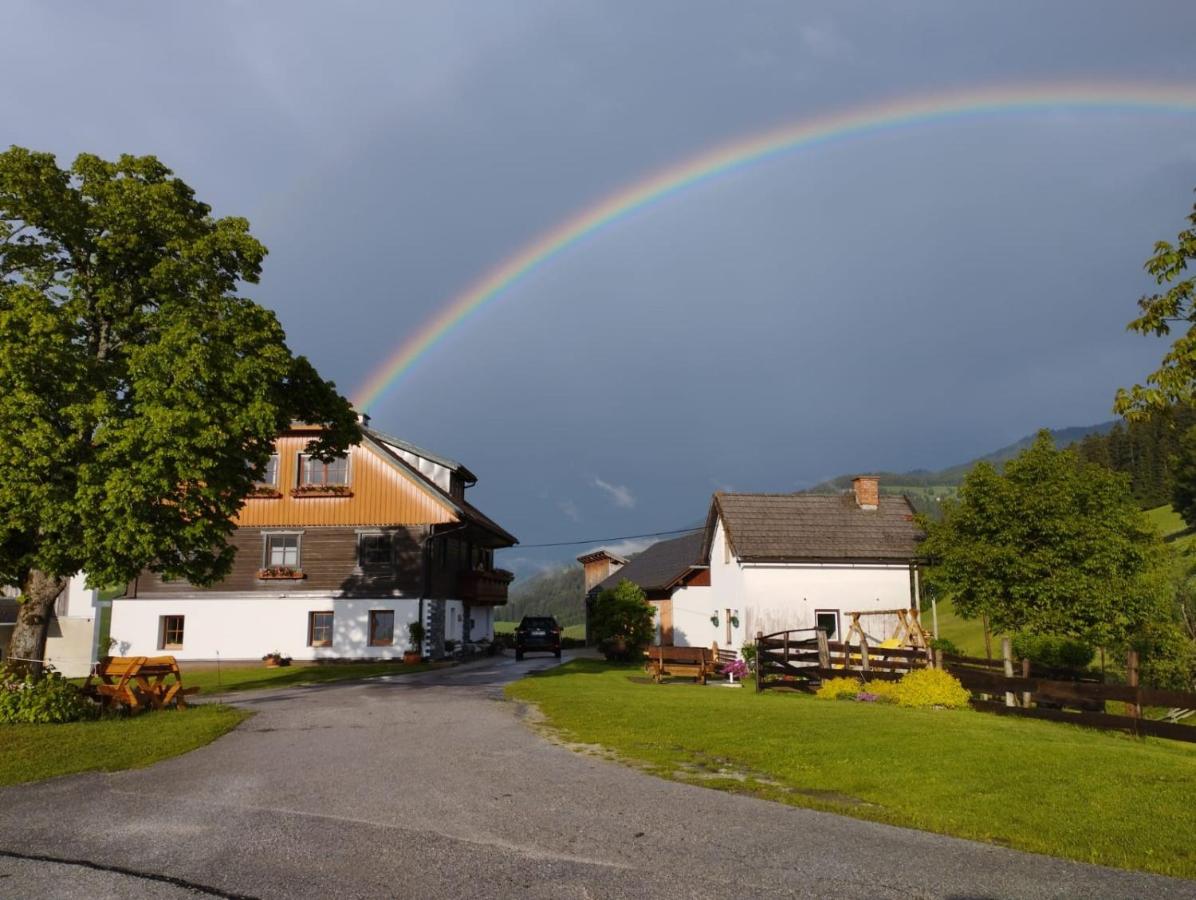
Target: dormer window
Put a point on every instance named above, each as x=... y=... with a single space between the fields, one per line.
x=314 y=472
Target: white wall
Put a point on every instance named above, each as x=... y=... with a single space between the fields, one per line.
x=483 y=623
x=691 y=617
x=454 y=625
x=248 y=627
x=71 y=640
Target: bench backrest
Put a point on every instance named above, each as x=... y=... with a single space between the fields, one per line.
x=681 y=654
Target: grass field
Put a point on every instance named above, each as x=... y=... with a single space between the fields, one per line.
x=966 y=634
x=1093 y=796
x=34 y=752
x=577 y=632
x=252 y=678
x=1174 y=529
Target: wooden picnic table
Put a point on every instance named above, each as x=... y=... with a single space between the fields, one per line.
x=138 y=682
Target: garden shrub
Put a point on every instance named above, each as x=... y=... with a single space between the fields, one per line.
x=880 y=691
x=622 y=622
x=748 y=654
x=1054 y=651
x=48 y=700
x=839 y=689
x=946 y=646
x=923 y=688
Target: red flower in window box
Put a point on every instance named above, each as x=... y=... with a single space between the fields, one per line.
x=280 y=573
x=265 y=492
x=322 y=490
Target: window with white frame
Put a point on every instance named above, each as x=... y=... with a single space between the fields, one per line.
x=282 y=550
x=314 y=472
x=270 y=475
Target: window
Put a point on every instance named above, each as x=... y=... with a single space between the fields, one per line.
x=373 y=550
x=319 y=629
x=828 y=621
x=282 y=550
x=270 y=475
x=172 y=633
x=382 y=628
x=313 y=471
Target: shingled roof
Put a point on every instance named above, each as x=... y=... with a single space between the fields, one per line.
x=660 y=565
x=793 y=527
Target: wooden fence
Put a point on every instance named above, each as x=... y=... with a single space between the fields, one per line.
x=804 y=657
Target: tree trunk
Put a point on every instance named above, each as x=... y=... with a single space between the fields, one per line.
x=988 y=639
x=27 y=647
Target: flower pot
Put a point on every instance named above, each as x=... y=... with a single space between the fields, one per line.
x=412 y=657
x=272 y=662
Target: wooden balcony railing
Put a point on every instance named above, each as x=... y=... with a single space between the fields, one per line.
x=488 y=586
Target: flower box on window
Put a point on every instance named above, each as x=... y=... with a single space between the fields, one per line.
x=280 y=573
x=322 y=490
x=265 y=492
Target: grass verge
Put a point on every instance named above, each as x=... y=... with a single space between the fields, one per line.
x=34 y=752
x=253 y=678
x=1062 y=790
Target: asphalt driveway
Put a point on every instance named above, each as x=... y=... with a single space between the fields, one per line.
x=431 y=786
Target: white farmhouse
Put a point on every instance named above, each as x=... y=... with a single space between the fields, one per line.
x=775 y=562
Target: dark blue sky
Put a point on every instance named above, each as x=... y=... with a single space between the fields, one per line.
x=911 y=299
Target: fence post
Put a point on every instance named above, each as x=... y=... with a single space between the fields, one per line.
x=864 y=655
x=1131 y=679
x=938 y=660
x=1007 y=655
x=1026 y=674
x=759 y=661
x=824 y=650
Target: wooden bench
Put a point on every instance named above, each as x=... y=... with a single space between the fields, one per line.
x=696 y=662
x=138 y=682
x=722 y=657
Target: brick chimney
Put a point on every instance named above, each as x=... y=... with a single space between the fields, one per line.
x=867 y=491
x=598 y=566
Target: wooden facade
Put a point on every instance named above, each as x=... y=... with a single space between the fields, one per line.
x=379 y=492
x=439 y=546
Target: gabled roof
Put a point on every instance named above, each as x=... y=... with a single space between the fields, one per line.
x=661 y=565
x=420 y=451
x=464 y=510
x=797 y=527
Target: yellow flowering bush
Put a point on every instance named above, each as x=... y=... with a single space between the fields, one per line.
x=923 y=688
x=839 y=689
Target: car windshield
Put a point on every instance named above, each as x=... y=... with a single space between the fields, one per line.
x=537 y=622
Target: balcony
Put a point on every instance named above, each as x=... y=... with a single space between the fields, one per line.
x=487 y=586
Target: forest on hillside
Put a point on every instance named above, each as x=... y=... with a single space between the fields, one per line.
x=1145 y=451
x=557 y=592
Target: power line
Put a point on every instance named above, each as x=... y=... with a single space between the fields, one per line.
x=624 y=537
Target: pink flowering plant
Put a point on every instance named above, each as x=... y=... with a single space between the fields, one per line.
x=736 y=669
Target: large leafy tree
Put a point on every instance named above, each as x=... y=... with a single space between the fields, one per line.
x=1052 y=545
x=1175 y=380
x=140 y=393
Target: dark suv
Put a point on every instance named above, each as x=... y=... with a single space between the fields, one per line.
x=538 y=633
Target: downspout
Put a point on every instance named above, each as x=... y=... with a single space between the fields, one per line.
x=427 y=579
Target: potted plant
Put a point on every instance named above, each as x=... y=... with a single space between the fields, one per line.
x=415 y=640
x=276 y=660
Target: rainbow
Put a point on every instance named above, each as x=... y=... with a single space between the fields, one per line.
x=738 y=154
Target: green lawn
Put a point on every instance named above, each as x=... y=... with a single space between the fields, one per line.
x=34 y=752
x=577 y=632
x=256 y=677
x=1063 y=790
